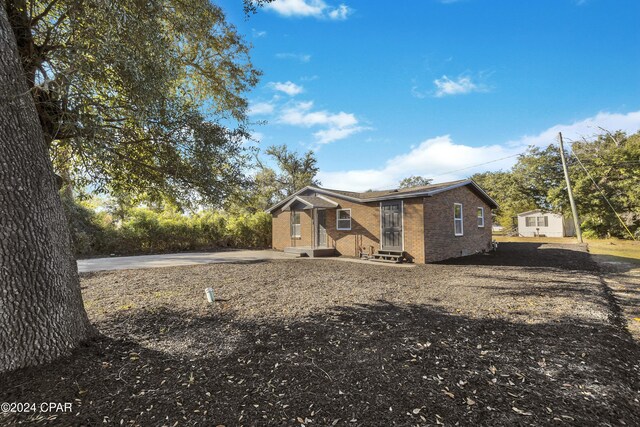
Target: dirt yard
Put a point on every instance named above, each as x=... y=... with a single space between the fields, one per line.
x=530 y=335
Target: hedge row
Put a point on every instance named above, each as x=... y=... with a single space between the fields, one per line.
x=144 y=231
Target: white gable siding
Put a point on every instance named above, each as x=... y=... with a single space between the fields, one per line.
x=555 y=227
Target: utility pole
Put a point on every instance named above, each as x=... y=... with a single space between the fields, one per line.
x=574 y=210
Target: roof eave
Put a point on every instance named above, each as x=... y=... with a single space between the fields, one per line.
x=425 y=193
x=317 y=189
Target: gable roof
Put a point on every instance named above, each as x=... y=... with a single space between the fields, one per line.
x=399 y=193
x=311 y=202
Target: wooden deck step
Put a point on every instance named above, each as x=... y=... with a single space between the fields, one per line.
x=389 y=256
x=385 y=260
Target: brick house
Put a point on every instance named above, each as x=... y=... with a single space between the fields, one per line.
x=422 y=224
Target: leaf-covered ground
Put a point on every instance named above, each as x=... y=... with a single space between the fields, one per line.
x=529 y=335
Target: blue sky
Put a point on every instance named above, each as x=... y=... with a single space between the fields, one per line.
x=381 y=90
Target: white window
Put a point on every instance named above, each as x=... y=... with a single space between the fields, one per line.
x=343 y=218
x=457 y=219
x=295 y=224
x=543 y=221
x=480 y=217
x=530 y=221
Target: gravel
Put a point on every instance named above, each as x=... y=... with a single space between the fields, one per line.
x=527 y=335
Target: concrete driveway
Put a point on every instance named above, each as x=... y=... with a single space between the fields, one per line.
x=174 y=260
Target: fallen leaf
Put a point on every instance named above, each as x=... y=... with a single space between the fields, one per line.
x=520 y=411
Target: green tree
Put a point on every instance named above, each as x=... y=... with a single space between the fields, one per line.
x=269 y=185
x=136 y=97
x=41 y=315
x=132 y=96
x=414 y=181
x=504 y=189
x=611 y=173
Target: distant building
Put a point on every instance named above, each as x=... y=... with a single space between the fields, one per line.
x=541 y=223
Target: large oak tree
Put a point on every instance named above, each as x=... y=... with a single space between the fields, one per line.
x=130 y=96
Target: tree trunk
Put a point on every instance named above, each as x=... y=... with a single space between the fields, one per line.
x=42 y=315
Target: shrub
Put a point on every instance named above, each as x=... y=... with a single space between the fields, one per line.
x=143 y=230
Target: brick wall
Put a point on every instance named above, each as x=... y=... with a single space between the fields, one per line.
x=281 y=230
x=428 y=227
x=440 y=242
x=365 y=228
x=413 y=228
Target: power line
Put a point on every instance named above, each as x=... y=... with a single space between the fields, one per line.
x=603 y=195
x=475 y=166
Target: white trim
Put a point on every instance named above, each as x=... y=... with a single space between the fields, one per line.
x=402 y=221
x=297 y=199
x=482 y=209
x=461 y=219
x=316 y=230
x=380 y=220
x=338 y=219
x=291 y=224
x=318 y=190
x=335 y=204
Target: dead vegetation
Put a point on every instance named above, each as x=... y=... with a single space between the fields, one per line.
x=524 y=336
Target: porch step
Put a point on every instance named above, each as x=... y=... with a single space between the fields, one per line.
x=396 y=257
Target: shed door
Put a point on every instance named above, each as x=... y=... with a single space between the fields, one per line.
x=391 y=225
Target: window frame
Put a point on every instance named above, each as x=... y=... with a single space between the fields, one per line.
x=461 y=219
x=545 y=221
x=338 y=219
x=480 y=210
x=531 y=217
x=292 y=225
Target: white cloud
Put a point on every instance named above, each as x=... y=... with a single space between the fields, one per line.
x=340 y=13
x=462 y=85
x=258 y=34
x=417 y=93
x=444 y=160
x=435 y=157
x=585 y=128
x=261 y=109
x=302 y=57
x=335 y=134
x=309 y=8
x=336 y=125
x=300 y=114
x=287 y=87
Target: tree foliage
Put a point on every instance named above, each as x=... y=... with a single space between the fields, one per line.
x=292 y=172
x=608 y=169
x=414 y=181
x=139 y=97
x=142 y=230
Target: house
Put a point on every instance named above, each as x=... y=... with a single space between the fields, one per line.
x=422 y=224
x=540 y=223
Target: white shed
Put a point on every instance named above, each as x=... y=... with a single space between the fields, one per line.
x=541 y=223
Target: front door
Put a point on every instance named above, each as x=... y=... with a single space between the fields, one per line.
x=391 y=225
x=322 y=228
